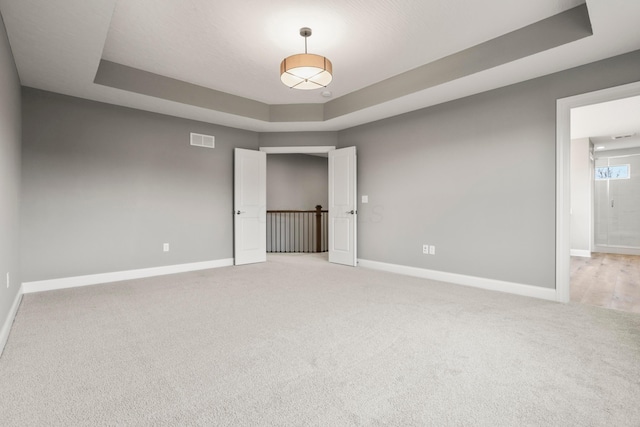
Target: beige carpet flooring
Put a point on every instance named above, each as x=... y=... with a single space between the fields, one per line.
x=297 y=341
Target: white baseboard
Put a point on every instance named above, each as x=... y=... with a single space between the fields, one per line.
x=6 y=326
x=460 y=279
x=581 y=253
x=95 y=279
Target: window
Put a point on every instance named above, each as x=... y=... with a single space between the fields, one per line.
x=612 y=172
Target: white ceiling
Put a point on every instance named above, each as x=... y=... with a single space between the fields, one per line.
x=236 y=47
x=611 y=125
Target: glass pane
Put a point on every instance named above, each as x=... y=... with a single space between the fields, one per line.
x=612 y=172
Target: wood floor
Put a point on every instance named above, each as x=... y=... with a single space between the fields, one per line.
x=607 y=280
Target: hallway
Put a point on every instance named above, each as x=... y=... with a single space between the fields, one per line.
x=607 y=280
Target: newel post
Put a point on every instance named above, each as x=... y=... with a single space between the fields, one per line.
x=318 y=228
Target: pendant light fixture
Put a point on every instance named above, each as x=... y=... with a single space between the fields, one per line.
x=305 y=70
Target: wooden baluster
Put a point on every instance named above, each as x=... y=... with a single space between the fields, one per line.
x=318 y=228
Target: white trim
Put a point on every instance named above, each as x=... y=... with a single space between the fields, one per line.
x=581 y=253
x=95 y=279
x=460 y=279
x=8 y=322
x=563 y=159
x=317 y=149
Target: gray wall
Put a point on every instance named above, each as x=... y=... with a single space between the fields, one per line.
x=581 y=191
x=105 y=186
x=296 y=181
x=10 y=138
x=475 y=177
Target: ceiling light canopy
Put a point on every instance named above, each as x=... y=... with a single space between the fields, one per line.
x=305 y=70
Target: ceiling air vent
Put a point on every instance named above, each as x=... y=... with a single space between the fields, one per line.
x=614 y=137
x=200 y=140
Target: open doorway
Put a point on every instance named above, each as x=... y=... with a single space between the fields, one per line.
x=250 y=203
x=297 y=199
x=603 y=225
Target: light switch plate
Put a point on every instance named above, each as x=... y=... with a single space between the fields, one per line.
x=365 y=199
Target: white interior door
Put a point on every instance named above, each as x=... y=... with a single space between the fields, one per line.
x=250 y=206
x=342 y=206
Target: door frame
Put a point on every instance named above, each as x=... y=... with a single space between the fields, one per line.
x=563 y=165
x=311 y=149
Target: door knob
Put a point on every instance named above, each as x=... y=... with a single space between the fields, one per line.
x=239 y=212
x=351 y=212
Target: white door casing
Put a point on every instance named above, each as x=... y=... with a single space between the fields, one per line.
x=343 y=206
x=250 y=206
x=563 y=182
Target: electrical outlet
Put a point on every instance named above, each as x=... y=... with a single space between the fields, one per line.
x=8 y=279
x=425 y=249
x=165 y=247
x=432 y=250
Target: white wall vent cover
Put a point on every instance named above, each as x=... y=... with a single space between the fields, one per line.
x=200 y=140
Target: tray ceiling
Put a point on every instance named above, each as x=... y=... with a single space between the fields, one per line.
x=219 y=61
